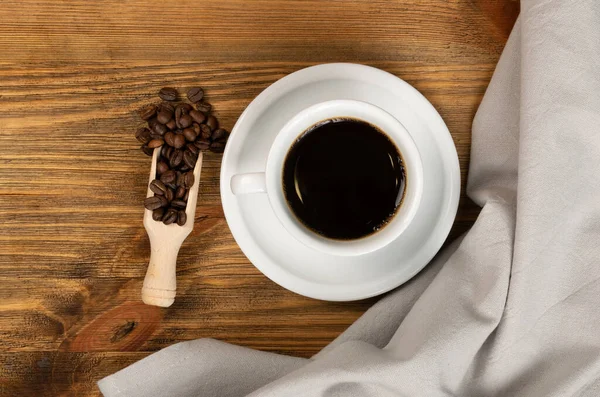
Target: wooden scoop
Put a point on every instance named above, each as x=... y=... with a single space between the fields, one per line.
x=165 y=240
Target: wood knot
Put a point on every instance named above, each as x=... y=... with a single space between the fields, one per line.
x=123 y=328
x=123 y=331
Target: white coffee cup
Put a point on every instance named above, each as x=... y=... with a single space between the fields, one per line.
x=270 y=181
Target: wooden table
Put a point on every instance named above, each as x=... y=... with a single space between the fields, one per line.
x=73 y=251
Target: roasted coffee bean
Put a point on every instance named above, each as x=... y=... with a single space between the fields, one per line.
x=202 y=144
x=160 y=128
x=155 y=143
x=169 y=194
x=166 y=151
x=180 y=181
x=176 y=158
x=183 y=167
x=179 y=112
x=188 y=179
x=177 y=203
x=205 y=132
x=180 y=192
x=164 y=116
x=185 y=121
x=183 y=108
x=189 y=134
x=197 y=116
x=147 y=151
x=204 y=107
x=217 y=147
x=151 y=122
x=158 y=213
x=219 y=134
x=167 y=94
x=193 y=148
x=187 y=195
x=195 y=94
x=170 y=138
x=168 y=177
x=147 y=112
x=158 y=187
x=152 y=203
x=161 y=167
x=212 y=122
x=143 y=135
x=171 y=124
x=163 y=201
x=170 y=216
x=189 y=159
x=165 y=106
x=181 y=218
x=178 y=141
x=154 y=135
x=172 y=185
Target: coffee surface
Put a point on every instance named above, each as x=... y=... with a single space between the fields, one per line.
x=343 y=179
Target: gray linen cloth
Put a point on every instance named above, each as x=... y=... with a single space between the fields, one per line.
x=513 y=308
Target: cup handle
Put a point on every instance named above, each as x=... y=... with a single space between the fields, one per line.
x=254 y=182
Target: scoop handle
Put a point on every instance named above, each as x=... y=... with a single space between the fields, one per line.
x=160 y=284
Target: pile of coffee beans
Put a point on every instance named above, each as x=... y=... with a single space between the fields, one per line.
x=182 y=130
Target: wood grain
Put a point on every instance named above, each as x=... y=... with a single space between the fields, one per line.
x=73 y=249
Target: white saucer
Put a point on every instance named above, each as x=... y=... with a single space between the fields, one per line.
x=293 y=265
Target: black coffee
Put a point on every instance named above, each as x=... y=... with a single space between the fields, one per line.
x=344 y=178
